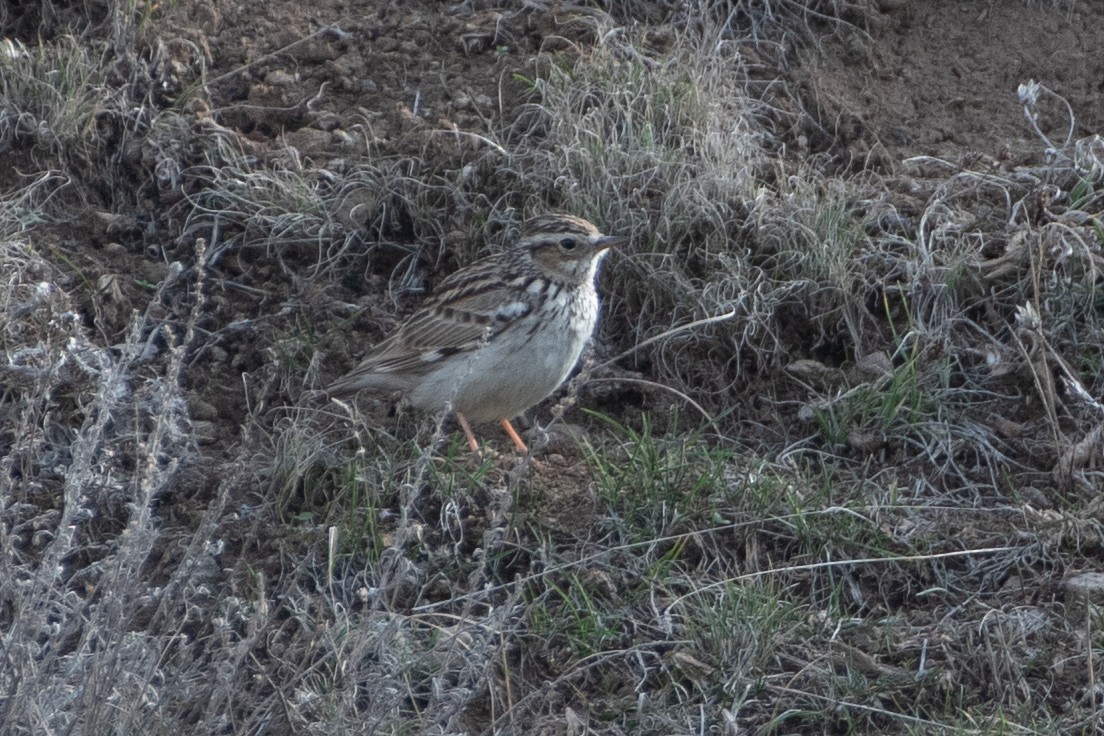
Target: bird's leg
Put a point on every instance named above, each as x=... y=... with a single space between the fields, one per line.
x=472 y=442
x=515 y=437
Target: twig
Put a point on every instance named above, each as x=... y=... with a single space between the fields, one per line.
x=673 y=331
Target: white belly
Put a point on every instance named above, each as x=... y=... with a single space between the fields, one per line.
x=512 y=373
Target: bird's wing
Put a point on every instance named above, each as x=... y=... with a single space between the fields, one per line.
x=458 y=320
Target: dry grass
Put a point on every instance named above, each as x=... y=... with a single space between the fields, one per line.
x=871 y=534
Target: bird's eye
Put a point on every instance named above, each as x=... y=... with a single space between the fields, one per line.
x=568 y=243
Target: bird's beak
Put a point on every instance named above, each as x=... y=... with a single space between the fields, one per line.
x=610 y=241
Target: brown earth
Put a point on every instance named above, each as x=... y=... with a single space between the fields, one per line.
x=920 y=79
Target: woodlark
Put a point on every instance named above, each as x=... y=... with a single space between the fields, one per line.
x=497 y=336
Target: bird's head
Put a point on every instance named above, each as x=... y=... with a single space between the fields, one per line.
x=566 y=248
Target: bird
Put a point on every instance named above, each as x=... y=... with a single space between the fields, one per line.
x=498 y=336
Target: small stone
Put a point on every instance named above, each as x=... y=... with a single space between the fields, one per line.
x=1088 y=584
x=206 y=432
x=871 y=367
x=202 y=410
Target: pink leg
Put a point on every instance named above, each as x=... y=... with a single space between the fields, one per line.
x=472 y=442
x=515 y=437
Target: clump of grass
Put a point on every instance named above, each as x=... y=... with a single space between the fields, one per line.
x=53 y=93
x=294 y=212
x=664 y=149
x=85 y=108
x=654 y=487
